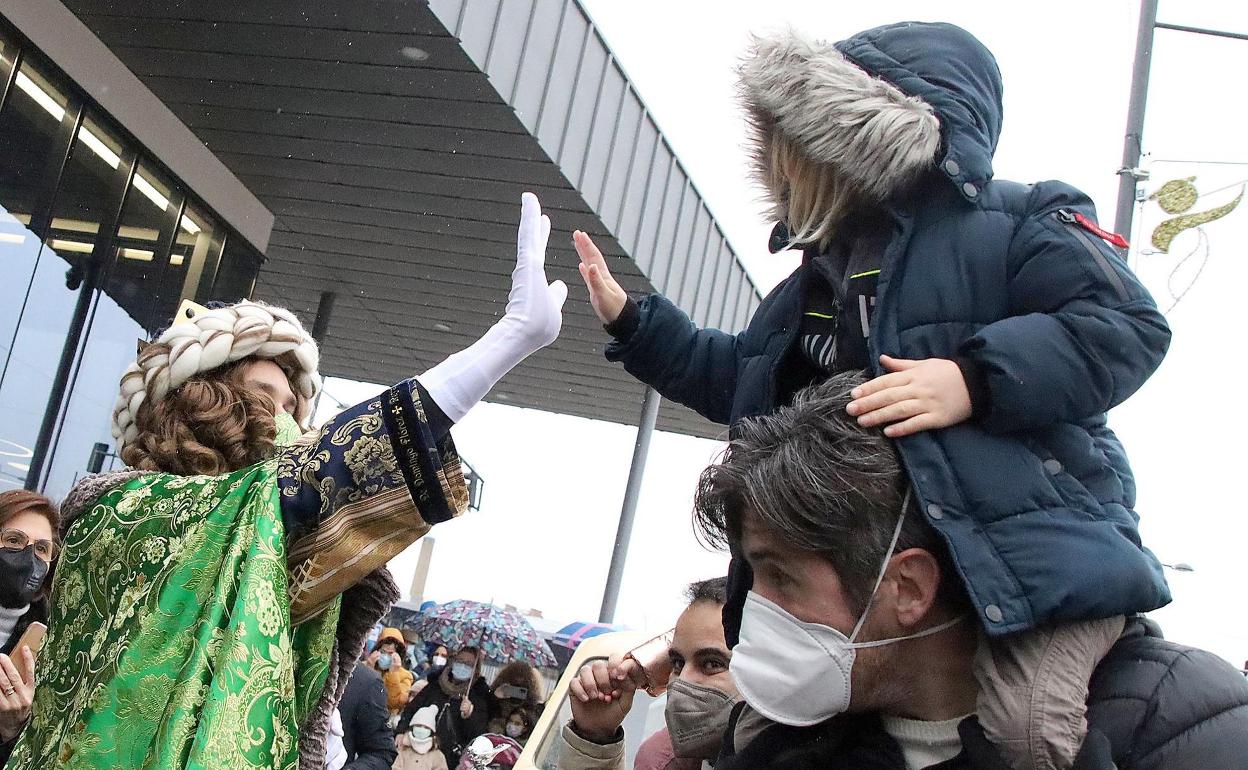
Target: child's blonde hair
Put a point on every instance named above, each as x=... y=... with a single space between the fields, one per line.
x=812 y=198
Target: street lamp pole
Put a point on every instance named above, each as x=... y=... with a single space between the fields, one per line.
x=1129 y=174
x=624 y=533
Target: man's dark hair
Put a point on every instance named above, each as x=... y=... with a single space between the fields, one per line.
x=713 y=590
x=821 y=483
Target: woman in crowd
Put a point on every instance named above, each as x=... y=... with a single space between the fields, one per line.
x=28 y=523
x=462 y=701
x=434 y=662
x=388 y=660
x=518 y=687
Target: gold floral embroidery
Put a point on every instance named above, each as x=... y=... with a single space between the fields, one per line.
x=170 y=639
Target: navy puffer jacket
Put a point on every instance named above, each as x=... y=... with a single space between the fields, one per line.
x=1034 y=498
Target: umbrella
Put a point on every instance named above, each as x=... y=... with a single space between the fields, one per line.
x=502 y=635
x=573 y=634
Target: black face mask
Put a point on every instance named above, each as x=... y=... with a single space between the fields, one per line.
x=21 y=576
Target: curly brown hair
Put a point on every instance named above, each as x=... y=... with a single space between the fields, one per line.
x=520 y=674
x=211 y=425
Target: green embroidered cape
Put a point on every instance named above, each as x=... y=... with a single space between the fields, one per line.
x=194 y=619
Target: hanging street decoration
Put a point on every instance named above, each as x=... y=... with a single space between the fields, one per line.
x=1177 y=197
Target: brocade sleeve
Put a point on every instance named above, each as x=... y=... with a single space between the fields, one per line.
x=360 y=490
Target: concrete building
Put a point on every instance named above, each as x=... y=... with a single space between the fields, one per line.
x=360 y=163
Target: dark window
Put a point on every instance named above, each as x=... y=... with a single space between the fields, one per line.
x=36 y=122
x=98 y=246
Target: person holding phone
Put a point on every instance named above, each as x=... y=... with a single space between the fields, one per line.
x=518 y=686
x=28 y=547
x=701 y=695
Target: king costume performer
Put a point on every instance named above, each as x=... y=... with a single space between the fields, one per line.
x=212 y=600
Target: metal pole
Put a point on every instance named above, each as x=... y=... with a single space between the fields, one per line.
x=1203 y=31
x=324 y=311
x=615 y=575
x=1128 y=173
x=60 y=381
x=95 y=271
x=320 y=329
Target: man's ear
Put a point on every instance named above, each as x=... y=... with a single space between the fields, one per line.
x=916 y=574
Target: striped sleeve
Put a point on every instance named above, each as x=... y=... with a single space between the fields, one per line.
x=360 y=490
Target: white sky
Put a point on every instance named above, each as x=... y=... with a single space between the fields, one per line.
x=554 y=484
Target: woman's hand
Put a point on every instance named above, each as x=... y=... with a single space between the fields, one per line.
x=466 y=708
x=17 y=692
x=605 y=293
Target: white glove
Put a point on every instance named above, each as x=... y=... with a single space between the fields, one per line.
x=532 y=321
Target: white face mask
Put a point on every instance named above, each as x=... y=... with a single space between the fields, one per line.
x=439 y=660
x=798 y=673
x=422 y=739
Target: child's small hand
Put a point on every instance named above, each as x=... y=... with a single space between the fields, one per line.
x=914 y=396
x=605 y=293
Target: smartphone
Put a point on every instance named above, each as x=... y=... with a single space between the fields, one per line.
x=32 y=637
x=654 y=659
x=514 y=692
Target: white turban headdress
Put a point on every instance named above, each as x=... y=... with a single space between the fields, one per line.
x=208 y=339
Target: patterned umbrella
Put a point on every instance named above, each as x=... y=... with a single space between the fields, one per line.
x=573 y=634
x=502 y=635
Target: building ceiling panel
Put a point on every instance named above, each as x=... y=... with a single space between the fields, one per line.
x=392 y=140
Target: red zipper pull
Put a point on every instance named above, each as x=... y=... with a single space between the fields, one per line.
x=1074 y=217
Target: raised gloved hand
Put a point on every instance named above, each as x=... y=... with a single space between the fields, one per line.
x=532 y=321
x=534 y=308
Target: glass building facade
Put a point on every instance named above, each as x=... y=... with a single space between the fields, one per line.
x=98 y=247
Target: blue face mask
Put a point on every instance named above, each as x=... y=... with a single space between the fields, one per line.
x=461 y=672
x=288 y=431
x=384 y=661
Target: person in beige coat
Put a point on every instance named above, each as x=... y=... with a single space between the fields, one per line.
x=418 y=745
x=700 y=697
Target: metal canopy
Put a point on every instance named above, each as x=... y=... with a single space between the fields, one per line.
x=392 y=139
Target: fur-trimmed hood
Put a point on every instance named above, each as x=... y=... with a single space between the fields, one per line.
x=884 y=107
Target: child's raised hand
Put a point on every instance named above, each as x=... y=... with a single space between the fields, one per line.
x=605 y=294
x=914 y=396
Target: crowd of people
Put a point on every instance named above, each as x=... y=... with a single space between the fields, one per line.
x=422 y=709
x=936 y=562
